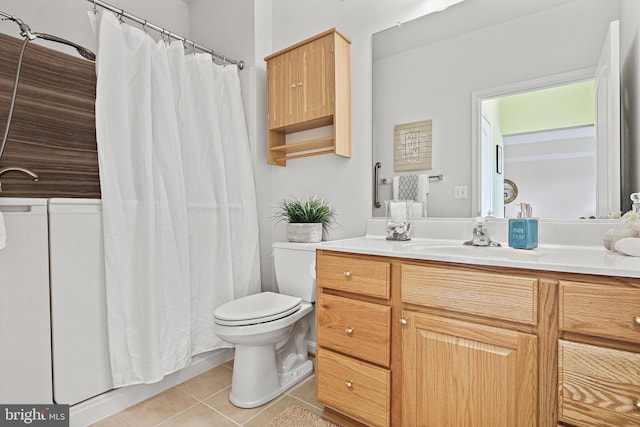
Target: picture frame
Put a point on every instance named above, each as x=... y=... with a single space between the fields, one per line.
x=413 y=146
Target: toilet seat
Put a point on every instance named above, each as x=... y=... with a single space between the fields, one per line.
x=257 y=308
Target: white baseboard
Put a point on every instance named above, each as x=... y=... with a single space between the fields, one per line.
x=311 y=346
x=114 y=401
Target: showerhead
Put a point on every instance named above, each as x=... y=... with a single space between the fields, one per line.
x=83 y=51
x=25 y=30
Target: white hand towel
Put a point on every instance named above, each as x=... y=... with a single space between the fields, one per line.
x=396 y=188
x=423 y=187
x=3 y=232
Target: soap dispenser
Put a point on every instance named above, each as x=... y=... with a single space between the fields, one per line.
x=523 y=231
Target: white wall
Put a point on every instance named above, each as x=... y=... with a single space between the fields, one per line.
x=68 y=18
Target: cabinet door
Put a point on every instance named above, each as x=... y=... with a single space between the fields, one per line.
x=457 y=373
x=283 y=90
x=315 y=79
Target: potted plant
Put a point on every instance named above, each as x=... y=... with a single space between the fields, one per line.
x=306 y=218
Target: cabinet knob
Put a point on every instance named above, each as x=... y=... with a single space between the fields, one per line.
x=293 y=85
x=348 y=384
x=636 y=320
x=299 y=83
x=347 y=274
x=403 y=321
x=349 y=330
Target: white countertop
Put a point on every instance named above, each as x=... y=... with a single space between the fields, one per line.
x=562 y=258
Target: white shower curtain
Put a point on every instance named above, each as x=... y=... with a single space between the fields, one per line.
x=179 y=205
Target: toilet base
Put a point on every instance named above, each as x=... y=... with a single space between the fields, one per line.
x=245 y=396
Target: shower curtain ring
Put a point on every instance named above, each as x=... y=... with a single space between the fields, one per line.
x=121 y=16
x=95 y=8
x=144 y=26
x=194 y=47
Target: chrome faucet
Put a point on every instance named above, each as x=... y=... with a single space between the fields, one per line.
x=480 y=235
x=34 y=175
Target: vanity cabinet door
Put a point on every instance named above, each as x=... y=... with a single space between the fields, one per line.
x=598 y=386
x=357 y=328
x=361 y=276
x=457 y=373
x=600 y=310
x=357 y=389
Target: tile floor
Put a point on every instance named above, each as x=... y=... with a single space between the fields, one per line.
x=203 y=401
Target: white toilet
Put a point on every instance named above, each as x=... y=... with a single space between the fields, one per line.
x=269 y=329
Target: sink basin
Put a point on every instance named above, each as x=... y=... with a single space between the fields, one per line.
x=448 y=248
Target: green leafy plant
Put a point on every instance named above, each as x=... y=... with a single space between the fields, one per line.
x=305 y=210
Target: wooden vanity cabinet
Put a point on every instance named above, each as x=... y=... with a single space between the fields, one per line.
x=599 y=354
x=405 y=342
x=309 y=87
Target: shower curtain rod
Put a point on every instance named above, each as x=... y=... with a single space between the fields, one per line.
x=123 y=14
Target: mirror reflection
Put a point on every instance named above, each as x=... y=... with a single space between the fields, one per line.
x=510 y=94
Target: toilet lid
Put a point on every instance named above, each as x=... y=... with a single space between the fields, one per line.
x=256 y=308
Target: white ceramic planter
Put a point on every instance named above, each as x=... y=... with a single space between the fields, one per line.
x=304 y=232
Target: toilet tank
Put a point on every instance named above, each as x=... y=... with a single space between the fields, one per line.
x=295 y=267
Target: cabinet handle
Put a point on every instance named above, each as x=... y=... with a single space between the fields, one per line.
x=636 y=320
x=636 y=404
x=348 y=384
x=349 y=330
x=347 y=274
x=403 y=321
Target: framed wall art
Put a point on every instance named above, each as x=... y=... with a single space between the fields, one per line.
x=413 y=146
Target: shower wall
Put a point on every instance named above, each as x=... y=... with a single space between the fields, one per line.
x=52 y=131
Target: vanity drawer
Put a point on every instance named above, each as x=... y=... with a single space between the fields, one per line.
x=600 y=310
x=358 y=275
x=356 y=328
x=500 y=296
x=357 y=389
x=598 y=386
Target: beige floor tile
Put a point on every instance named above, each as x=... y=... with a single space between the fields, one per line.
x=198 y=416
x=157 y=409
x=306 y=391
x=275 y=408
x=112 y=421
x=220 y=401
x=208 y=383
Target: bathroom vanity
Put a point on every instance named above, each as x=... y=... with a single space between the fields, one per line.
x=429 y=332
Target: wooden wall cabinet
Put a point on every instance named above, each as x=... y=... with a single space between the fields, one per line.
x=309 y=87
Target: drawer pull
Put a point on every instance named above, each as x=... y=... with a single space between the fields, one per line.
x=636 y=404
x=349 y=330
x=403 y=321
x=348 y=384
x=636 y=320
x=347 y=274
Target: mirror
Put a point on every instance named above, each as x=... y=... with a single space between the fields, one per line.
x=443 y=66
